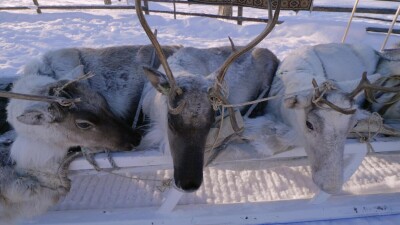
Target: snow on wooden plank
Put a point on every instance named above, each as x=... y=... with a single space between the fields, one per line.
x=254 y=213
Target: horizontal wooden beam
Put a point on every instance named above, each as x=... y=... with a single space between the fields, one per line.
x=315 y=8
x=236 y=18
x=337 y=207
x=382 y=30
x=375 y=18
x=359 y=10
x=155 y=158
x=215 y=16
x=71 y=7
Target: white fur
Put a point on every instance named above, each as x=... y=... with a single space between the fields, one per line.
x=36 y=148
x=155 y=106
x=244 y=78
x=41 y=146
x=338 y=64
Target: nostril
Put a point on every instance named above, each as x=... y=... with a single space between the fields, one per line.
x=188 y=186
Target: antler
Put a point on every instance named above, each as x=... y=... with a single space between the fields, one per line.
x=319 y=98
x=174 y=88
x=60 y=100
x=236 y=54
x=366 y=86
x=215 y=92
x=157 y=47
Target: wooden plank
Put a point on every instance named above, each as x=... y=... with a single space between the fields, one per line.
x=359 y=10
x=133 y=7
x=375 y=18
x=216 y=16
x=315 y=8
x=14 y=8
x=155 y=158
x=382 y=30
x=338 y=207
x=263 y=4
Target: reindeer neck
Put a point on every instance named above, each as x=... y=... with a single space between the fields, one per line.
x=37 y=155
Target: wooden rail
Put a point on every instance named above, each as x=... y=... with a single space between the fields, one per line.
x=238 y=18
x=382 y=30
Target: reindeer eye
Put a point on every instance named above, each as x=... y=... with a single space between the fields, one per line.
x=309 y=125
x=83 y=124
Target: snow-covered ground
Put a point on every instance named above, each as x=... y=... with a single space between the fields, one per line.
x=25 y=35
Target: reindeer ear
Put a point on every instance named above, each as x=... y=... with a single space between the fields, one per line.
x=297 y=101
x=39 y=114
x=157 y=79
x=75 y=73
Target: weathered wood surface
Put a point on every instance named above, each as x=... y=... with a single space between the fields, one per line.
x=315 y=8
x=263 y=4
x=382 y=30
x=376 y=18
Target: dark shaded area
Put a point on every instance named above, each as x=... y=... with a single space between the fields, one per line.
x=5 y=85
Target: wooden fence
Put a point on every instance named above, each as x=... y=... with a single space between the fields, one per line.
x=239 y=18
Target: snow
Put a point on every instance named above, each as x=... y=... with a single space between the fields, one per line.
x=25 y=35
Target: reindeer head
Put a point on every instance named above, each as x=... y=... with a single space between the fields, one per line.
x=87 y=123
x=326 y=117
x=190 y=109
x=190 y=116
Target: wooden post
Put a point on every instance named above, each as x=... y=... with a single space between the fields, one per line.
x=174 y=10
x=107 y=2
x=351 y=19
x=37 y=6
x=240 y=14
x=146 y=7
x=391 y=28
x=225 y=10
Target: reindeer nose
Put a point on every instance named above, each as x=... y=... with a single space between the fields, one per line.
x=188 y=185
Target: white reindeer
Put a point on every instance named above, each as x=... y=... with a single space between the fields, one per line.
x=317 y=118
x=47 y=130
x=388 y=104
x=181 y=108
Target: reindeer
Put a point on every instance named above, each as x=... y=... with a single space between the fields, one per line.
x=387 y=104
x=181 y=108
x=319 y=118
x=48 y=129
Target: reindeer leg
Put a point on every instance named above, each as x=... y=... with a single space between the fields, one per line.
x=111 y=160
x=89 y=156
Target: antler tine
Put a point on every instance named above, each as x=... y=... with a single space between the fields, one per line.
x=270 y=25
x=316 y=88
x=318 y=98
x=60 y=100
x=361 y=86
x=157 y=47
x=366 y=85
x=337 y=108
x=232 y=44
